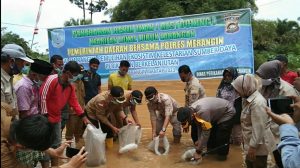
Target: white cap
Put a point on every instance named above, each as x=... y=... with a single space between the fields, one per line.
x=16 y=51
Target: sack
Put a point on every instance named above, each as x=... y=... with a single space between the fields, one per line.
x=129 y=138
x=154 y=145
x=94 y=140
x=188 y=155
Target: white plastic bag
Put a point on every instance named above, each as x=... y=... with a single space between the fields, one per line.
x=129 y=138
x=154 y=145
x=188 y=155
x=95 y=145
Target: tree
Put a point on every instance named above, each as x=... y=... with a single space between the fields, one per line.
x=77 y=22
x=80 y=4
x=10 y=37
x=276 y=37
x=97 y=6
x=128 y=10
x=93 y=7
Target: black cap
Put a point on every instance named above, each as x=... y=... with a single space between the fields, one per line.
x=149 y=91
x=116 y=91
x=41 y=67
x=137 y=96
x=282 y=58
x=183 y=114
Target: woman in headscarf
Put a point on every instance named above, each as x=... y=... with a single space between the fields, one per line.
x=226 y=91
x=257 y=136
x=273 y=86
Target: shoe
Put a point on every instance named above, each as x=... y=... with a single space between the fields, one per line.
x=221 y=157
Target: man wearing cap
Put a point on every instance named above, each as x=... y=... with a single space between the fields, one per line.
x=55 y=92
x=193 y=92
x=13 y=59
x=133 y=98
x=285 y=73
x=163 y=109
x=214 y=119
x=27 y=89
x=102 y=107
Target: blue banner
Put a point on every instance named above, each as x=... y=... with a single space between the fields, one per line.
x=155 y=48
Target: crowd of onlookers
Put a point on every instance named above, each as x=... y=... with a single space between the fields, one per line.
x=40 y=99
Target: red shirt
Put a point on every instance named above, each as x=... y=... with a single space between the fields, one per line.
x=54 y=98
x=289 y=76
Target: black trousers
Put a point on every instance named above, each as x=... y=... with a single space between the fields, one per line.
x=194 y=131
x=104 y=127
x=220 y=135
x=277 y=158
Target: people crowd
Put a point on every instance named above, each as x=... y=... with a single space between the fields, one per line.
x=40 y=99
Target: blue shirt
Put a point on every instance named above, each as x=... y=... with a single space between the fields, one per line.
x=91 y=83
x=289 y=146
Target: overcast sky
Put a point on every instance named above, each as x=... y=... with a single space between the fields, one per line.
x=56 y=12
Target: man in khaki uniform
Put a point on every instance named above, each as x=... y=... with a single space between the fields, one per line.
x=132 y=98
x=102 y=106
x=74 y=123
x=163 y=110
x=193 y=92
x=13 y=59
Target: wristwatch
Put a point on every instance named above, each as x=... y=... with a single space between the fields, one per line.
x=163 y=129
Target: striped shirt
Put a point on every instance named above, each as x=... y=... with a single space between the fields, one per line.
x=54 y=97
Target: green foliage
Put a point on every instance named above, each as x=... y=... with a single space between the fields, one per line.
x=276 y=37
x=97 y=6
x=77 y=22
x=10 y=37
x=269 y=37
x=128 y=10
x=92 y=7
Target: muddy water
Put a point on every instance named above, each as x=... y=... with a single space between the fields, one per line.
x=142 y=157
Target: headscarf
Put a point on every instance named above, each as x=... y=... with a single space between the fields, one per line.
x=270 y=70
x=225 y=89
x=246 y=85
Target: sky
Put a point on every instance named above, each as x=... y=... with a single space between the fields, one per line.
x=19 y=16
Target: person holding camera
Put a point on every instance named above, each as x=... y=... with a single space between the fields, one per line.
x=289 y=145
x=273 y=86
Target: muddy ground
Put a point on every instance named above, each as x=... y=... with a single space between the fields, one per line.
x=144 y=158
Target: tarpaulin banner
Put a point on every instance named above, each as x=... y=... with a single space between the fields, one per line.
x=155 y=48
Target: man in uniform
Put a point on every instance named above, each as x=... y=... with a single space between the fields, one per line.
x=13 y=59
x=163 y=109
x=193 y=92
x=214 y=120
x=133 y=98
x=102 y=107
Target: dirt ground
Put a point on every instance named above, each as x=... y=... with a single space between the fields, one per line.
x=142 y=157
